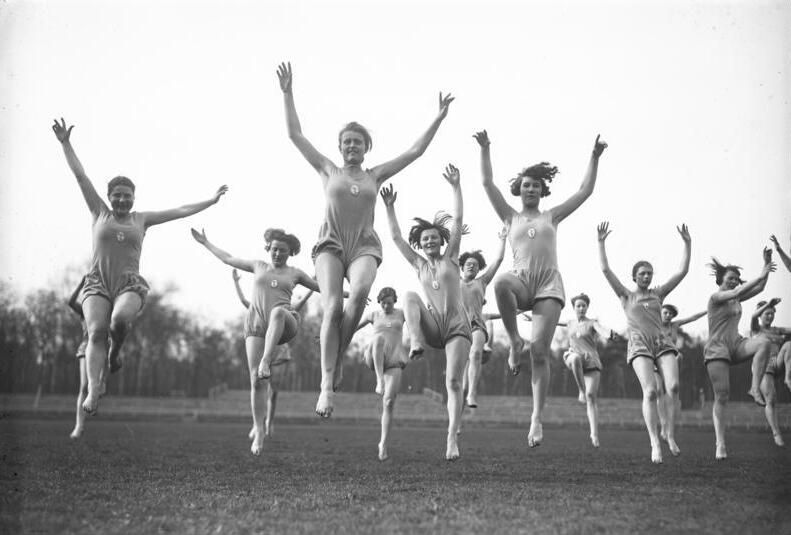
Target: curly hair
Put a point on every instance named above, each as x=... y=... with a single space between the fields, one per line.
x=544 y=171
x=120 y=181
x=476 y=254
x=718 y=269
x=386 y=292
x=672 y=308
x=638 y=265
x=360 y=129
x=581 y=297
x=441 y=223
x=279 y=234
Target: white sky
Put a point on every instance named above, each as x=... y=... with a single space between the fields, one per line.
x=182 y=97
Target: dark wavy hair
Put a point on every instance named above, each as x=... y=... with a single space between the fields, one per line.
x=386 y=292
x=638 y=265
x=360 y=129
x=672 y=308
x=544 y=171
x=581 y=297
x=755 y=325
x=476 y=254
x=718 y=269
x=441 y=222
x=119 y=181
x=279 y=234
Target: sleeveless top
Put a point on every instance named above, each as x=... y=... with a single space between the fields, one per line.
x=473 y=296
x=582 y=337
x=390 y=326
x=724 y=321
x=644 y=313
x=534 y=242
x=116 y=246
x=441 y=285
x=271 y=288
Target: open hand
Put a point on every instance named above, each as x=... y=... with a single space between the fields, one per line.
x=234 y=273
x=773 y=302
x=444 y=104
x=503 y=234
x=222 y=190
x=482 y=138
x=388 y=195
x=200 y=237
x=603 y=230
x=684 y=231
x=284 y=76
x=452 y=174
x=599 y=146
x=61 y=132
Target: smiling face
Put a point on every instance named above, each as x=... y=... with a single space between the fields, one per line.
x=121 y=198
x=431 y=242
x=530 y=191
x=279 y=251
x=352 y=147
x=387 y=304
x=767 y=317
x=667 y=316
x=644 y=276
x=730 y=280
x=470 y=269
x=580 y=308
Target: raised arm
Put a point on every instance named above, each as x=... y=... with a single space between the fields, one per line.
x=563 y=210
x=682 y=272
x=227 y=258
x=299 y=305
x=163 y=216
x=751 y=288
x=92 y=199
x=453 y=177
x=755 y=326
x=689 y=319
x=386 y=170
x=488 y=275
x=620 y=290
x=239 y=292
x=783 y=255
x=307 y=281
x=389 y=197
x=320 y=163
x=503 y=209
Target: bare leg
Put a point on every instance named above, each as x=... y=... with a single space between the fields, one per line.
x=759 y=349
x=546 y=313
x=474 y=367
x=719 y=374
x=80 y=417
x=378 y=363
x=644 y=368
x=329 y=273
x=97 y=319
x=574 y=363
x=770 y=395
x=661 y=406
x=668 y=366
x=361 y=273
x=255 y=349
x=125 y=308
x=269 y=424
x=392 y=384
x=592 y=380
x=507 y=289
x=457 y=350
x=414 y=313
x=784 y=356
x=281 y=327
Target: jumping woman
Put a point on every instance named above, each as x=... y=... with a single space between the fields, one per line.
x=348 y=246
x=443 y=324
x=114 y=291
x=534 y=283
x=271 y=321
x=647 y=347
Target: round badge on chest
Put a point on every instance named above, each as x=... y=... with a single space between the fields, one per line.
x=120 y=236
x=435 y=285
x=273 y=284
x=355 y=189
x=531 y=233
x=389 y=324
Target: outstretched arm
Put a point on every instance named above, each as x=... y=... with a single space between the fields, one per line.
x=783 y=255
x=501 y=207
x=689 y=319
x=163 y=216
x=92 y=199
x=603 y=331
x=388 y=169
x=365 y=320
x=527 y=317
x=453 y=178
x=563 y=210
x=488 y=275
x=227 y=258
x=320 y=163
x=389 y=197
x=682 y=272
x=302 y=301
x=239 y=292
x=620 y=290
x=750 y=288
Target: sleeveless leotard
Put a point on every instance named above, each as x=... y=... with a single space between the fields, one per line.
x=776 y=337
x=115 y=266
x=644 y=326
x=724 y=338
x=534 y=244
x=272 y=288
x=348 y=228
x=582 y=341
x=389 y=328
x=442 y=289
x=473 y=296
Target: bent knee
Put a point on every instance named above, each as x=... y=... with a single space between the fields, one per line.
x=333 y=312
x=389 y=402
x=453 y=384
x=651 y=393
x=98 y=333
x=722 y=395
x=672 y=388
x=591 y=396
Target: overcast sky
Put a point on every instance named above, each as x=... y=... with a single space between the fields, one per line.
x=182 y=97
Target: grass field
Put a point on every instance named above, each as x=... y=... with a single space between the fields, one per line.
x=138 y=477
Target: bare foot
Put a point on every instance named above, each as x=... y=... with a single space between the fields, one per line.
x=383 y=452
x=779 y=440
x=656 y=454
x=380 y=385
x=258 y=444
x=720 y=453
x=76 y=433
x=536 y=434
x=595 y=441
x=452 y=449
x=675 y=451
x=324 y=404
x=472 y=402
x=515 y=357
x=91 y=403
x=581 y=398
x=757 y=397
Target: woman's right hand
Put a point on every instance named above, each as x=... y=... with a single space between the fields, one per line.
x=482 y=138
x=284 y=76
x=769 y=266
x=234 y=273
x=603 y=230
x=61 y=132
x=200 y=237
x=388 y=195
x=774 y=241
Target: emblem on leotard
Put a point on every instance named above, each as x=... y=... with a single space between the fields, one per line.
x=120 y=236
x=531 y=233
x=389 y=324
x=273 y=284
x=435 y=285
x=355 y=190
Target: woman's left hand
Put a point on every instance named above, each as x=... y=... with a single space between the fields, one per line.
x=220 y=192
x=444 y=104
x=452 y=174
x=684 y=231
x=599 y=146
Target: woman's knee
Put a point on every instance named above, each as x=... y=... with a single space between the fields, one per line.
x=722 y=394
x=453 y=384
x=504 y=284
x=650 y=393
x=476 y=354
x=333 y=312
x=98 y=333
x=539 y=352
x=389 y=401
x=671 y=387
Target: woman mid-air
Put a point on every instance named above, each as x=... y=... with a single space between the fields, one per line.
x=114 y=291
x=726 y=346
x=271 y=321
x=348 y=246
x=443 y=324
x=647 y=346
x=473 y=296
x=534 y=283
x=280 y=362
x=779 y=365
x=671 y=328
x=385 y=356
